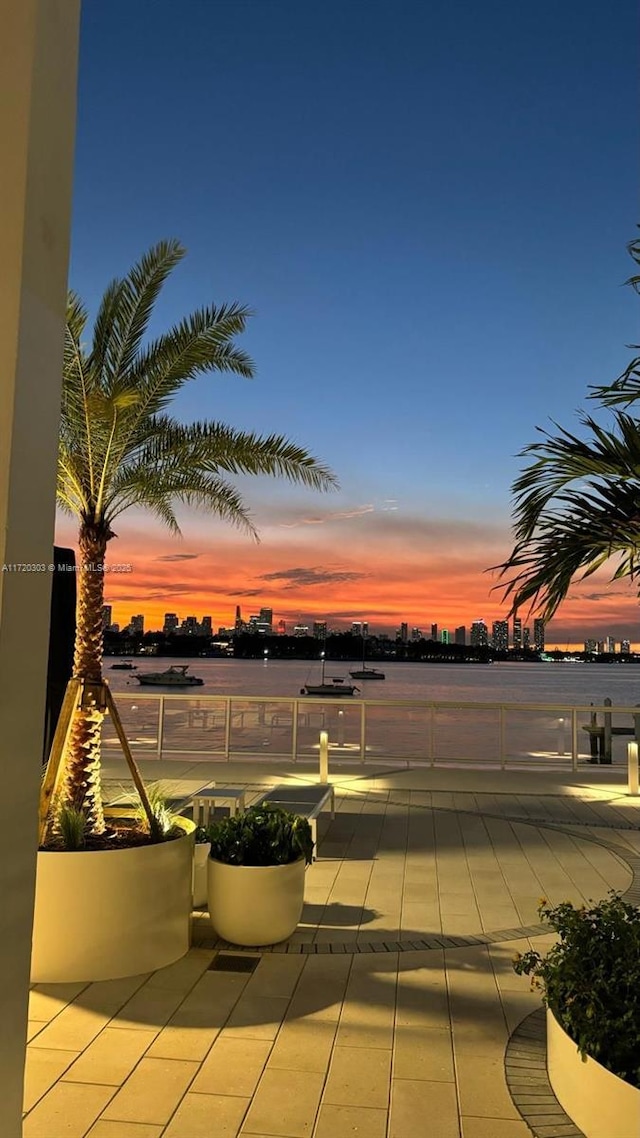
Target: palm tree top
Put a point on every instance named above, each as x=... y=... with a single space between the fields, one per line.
x=119 y=446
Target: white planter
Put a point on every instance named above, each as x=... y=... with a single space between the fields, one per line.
x=200 y=858
x=254 y=904
x=105 y=914
x=601 y=1104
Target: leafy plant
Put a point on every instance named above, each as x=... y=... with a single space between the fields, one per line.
x=71 y=826
x=163 y=821
x=201 y=835
x=591 y=980
x=261 y=835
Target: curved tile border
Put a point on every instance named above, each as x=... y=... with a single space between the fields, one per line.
x=525 y=1068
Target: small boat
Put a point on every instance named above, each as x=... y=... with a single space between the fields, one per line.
x=124 y=666
x=365 y=673
x=174 y=677
x=332 y=687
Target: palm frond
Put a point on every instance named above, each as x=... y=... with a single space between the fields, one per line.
x=143 y=485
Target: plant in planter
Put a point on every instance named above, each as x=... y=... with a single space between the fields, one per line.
x=119 y=448
x=256 y=874
x=590 y=982
x=200 y=859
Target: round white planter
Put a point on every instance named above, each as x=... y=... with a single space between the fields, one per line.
x=200 y=859
x=255 y=904
x=601 y=1104
x=105 y=914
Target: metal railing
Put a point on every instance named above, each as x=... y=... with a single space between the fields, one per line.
x=402 y=732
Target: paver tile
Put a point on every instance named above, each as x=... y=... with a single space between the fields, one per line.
x=43 y=1068
x=359 y=1076
x=415 y=1101
x=152 y=1092
x=351 y=1122
x=104 y=1129
x=111 y=1057
x=207 y=1116
x=66 y=1111
x=285 y=1103
x=232 y=1067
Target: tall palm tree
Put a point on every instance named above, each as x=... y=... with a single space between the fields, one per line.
x=120 y=447
x=577 y=504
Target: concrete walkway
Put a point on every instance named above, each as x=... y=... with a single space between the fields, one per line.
x=388 y=1013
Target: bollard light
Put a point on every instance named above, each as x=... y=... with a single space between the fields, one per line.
x=324 y=756
x=632 y=760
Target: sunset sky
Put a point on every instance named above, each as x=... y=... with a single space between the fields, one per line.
x=427 y=207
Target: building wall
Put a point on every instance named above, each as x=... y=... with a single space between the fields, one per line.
x=38 y=77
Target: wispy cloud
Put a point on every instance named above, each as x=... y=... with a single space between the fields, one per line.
x=302 y=577
x=178 y=557
x=329 y=516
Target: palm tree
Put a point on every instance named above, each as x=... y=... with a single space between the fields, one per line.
x=577 y=504
x=120 y=447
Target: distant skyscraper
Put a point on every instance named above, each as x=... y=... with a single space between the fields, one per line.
x=356 y=628
x=610 y=644
x=171 y=622
x=319 y=629
x=444 y=636
x=517 y=632
x=590 y=646
x=434 y=632
x=106 y=616
x=500 y=635
x=416 y=634
x=301 y=630
x=404 y=632
x=460 y=635
x=266 y=617
x=538 y=634
x=625 y=647
x=238 y=625
x=282 y=628
x=136 y=623
x=479 y=634
x=190 y=626
x=206 y=626
x=526 y=637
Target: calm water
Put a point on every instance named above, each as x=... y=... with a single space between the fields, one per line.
x=495 y=683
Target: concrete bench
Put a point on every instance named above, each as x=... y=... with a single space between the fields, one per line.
x=307 y=800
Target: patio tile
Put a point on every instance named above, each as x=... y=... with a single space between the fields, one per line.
x=359 y=1076
x=423 y=1053
x=494 y=1128
x=256 y=1017
x=43 y=1068
x=303 y=1046
x=482 y=1086
x=413 y=1101
x=232 y=1067
x=111 y=1057
x=184 y=973
x=148 y=1008
x=72 y=1030
x=276 y=976
x=204 y=1115
x=33 y=1027
x=66 y=1111
x=285 y=1103
x=103 y=1129
x=47 y=1000
x=347 y=1121
x=152 y=1092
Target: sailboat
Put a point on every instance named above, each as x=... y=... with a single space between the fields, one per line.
x=333 y=686
x=365 y=673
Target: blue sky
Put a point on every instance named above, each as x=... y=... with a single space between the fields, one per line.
x=426 y=206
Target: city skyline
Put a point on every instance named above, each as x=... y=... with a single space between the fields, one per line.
x=429 y=223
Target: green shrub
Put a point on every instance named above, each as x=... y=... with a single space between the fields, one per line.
x=71 y=826
x=261 y=835
x=591 y=980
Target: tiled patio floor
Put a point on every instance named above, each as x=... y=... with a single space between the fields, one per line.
x=356 y=1027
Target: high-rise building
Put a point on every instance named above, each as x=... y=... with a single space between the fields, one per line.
x=590 y=645
x=206 y=627
x=239 y=624
x=517 y=632
x=526 y=637
x=190 y=626
x=538 y=634
x=266 y=617
x=434 y=632
x=479 y=634
x=416 y=634
x=460 y=635
x=500 y=635
x=319 y=629
x=136 y=624
x=625 y=647
x=404 y=632
x=171 y=622
x=106 y=616
x=444 y=636
x=282 y=628
x=301 y=630
x=610 y=644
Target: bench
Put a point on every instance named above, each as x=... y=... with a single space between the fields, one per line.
x=306 y=799
x=212 y=795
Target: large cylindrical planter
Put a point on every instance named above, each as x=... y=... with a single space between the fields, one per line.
x=252 y=905
x=600 y=1103
x=105 y=914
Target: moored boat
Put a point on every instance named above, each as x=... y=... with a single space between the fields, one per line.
x=173 y=677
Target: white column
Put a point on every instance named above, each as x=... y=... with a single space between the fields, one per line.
x=38 y=77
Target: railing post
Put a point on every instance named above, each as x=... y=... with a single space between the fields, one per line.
x=574 y=739
x=227 y=728
x=160 y=726
x=432 y=728
x=632 y=763
x=606 y=742
x=503 y=758
x=363 y=731
x=324 y=756
x=294 y=732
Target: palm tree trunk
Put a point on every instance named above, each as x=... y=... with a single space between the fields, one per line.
x=82 y=778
